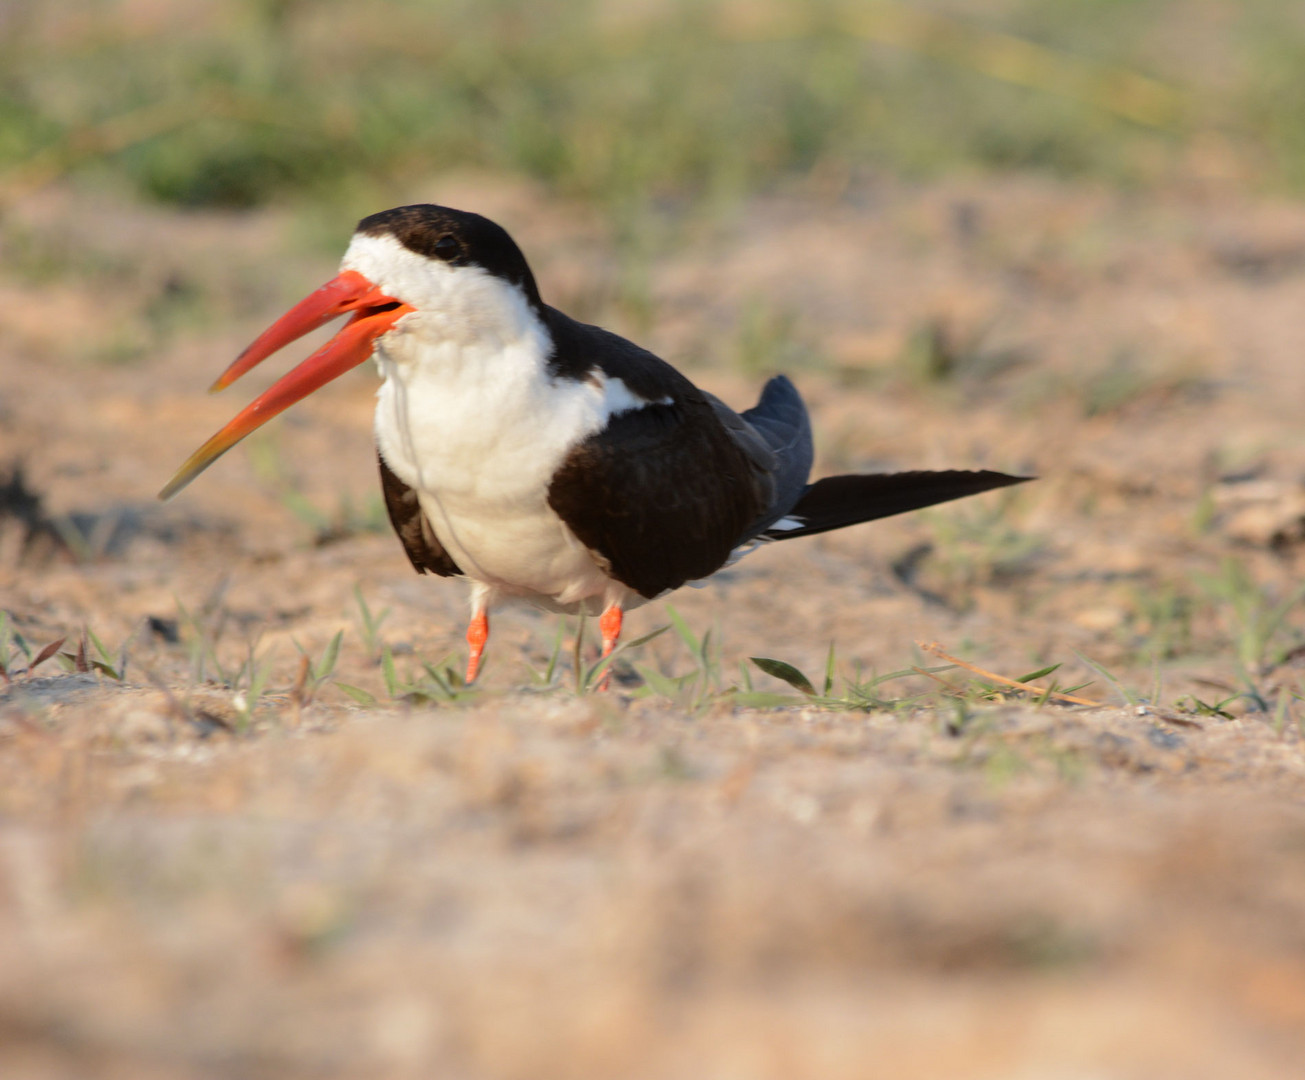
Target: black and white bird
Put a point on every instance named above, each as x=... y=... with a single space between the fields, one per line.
x=543 y=459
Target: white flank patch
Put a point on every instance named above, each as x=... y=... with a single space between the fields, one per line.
x=619 y=398
x=784 y=524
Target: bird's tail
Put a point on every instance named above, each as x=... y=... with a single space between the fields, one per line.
x=838 y=501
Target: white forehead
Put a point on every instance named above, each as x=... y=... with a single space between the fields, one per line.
x=402 y=273
x=445 y=295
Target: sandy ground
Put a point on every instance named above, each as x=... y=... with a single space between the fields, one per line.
x=533 y=884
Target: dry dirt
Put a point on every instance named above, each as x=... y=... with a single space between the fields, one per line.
x=537 y=885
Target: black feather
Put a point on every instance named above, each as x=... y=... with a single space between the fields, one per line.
x=838 y=501
x=425 y=552
x=661 y=494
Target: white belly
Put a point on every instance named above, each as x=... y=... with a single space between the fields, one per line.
x=479 y=437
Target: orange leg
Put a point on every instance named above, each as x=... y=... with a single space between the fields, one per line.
x=610 y=625
x=477 y=635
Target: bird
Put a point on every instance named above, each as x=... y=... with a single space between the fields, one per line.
x=543 y=459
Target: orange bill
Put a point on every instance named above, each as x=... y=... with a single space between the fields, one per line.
x=374 y=314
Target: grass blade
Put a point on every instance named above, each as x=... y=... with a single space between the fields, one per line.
x=1041 y=673
x=876 y=680
x=1130 y=698
x=643 y=640
x=361 y=696
x=445 y=685
x=45 y=654
x=388 y=673
x=551 y=668
x=104 y=669
x=596 y=671
x=329 y=658
x=661 y=685
x=577 y=665
x=785 y=672
x=686 y=635
x=760 y=699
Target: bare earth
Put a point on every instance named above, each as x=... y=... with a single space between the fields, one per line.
x=533 y=884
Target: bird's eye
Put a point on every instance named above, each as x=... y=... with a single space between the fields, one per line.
x=447 y=248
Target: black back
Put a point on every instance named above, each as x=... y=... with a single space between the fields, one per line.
x=660 y=494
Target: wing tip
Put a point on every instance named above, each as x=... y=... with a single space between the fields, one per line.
x=836 y=502
x=1001 y=479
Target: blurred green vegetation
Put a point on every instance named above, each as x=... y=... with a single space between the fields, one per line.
x=234 y=104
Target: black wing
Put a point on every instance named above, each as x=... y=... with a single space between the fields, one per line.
x=780 y=419
x=662 y=493
x=418 y=538
x=838 y=501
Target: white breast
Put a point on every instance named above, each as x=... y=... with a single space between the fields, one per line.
x=469 y=417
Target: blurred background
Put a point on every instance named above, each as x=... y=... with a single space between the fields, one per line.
x=641 y=107
x=653 y=116
x=254 y=829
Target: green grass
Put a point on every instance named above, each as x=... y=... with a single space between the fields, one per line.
x=1261 y=625
x=18 y=658
x=239 y=104
x=960 y=701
